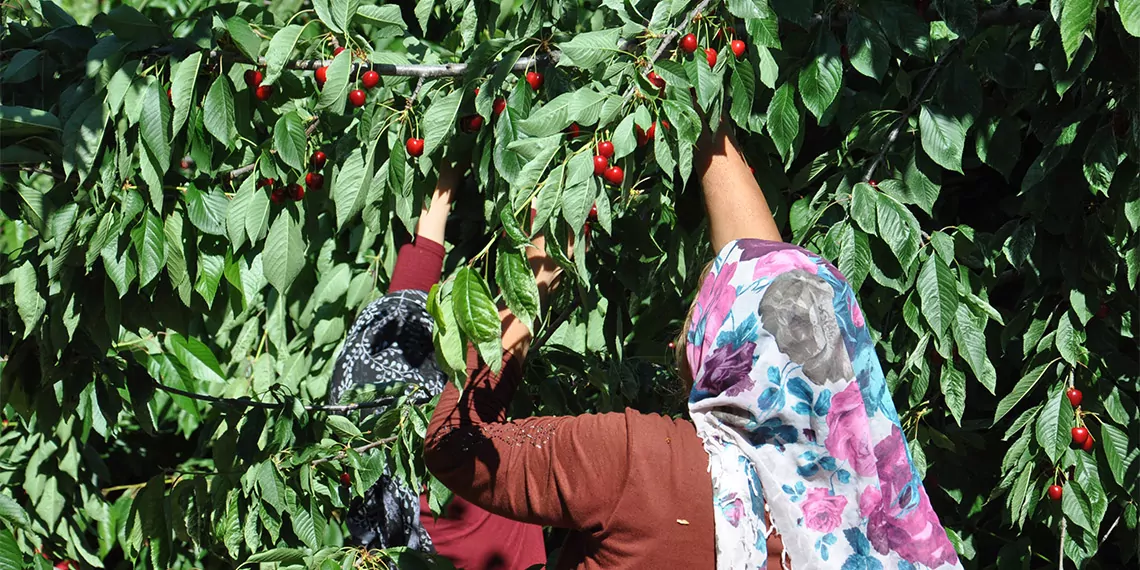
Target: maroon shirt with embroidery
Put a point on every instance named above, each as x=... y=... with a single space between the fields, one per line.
x=472 y=538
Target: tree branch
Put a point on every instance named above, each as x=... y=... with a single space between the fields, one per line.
x=914 y=105
x=360 y=449
x=668 y=39
x=248 y=403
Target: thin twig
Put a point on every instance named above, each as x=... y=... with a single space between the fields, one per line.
x=1061 y=558
x=416 y=91
x=1111 y=528
x=914 y=105
x=668 y=39
x=399 y=70
x=248 y=403
x=360 y=449
x=239 y=172
x=553 y=326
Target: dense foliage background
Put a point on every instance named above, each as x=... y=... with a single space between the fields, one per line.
x=169 y=328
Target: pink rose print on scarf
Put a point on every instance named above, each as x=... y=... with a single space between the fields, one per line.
x=856 y=312
x=733 y=509
x=783 y=261
x=713 y=304
x=823 y=511
x=726 y=371
x=913 y=533
x=869 y=500
x=849 y=434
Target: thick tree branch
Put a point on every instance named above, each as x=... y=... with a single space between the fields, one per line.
x=248 y=403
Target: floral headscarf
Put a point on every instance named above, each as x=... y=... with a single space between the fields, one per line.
x=790 y=401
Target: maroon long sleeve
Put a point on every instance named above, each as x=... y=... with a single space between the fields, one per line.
x=633 y=487
x=470 y=537
x=419 y=265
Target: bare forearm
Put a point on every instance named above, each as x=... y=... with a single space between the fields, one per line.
x=736 y=206
x=433 y=218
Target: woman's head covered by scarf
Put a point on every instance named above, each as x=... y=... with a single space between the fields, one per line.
x=790 y=401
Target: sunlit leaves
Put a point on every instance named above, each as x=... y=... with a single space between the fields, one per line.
x=218 y=111
x=283 y=262
x=588 y=49
x=821 y=78
x=784 y=119
x=1053 y=423
x=289 y=140
x=280 y=50
x=868 y=47
x=943 y=137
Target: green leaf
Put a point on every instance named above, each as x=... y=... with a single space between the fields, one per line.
x=578 y=195
x=22 y=121
x=218 y=112
x=282 y=263
x=960 y=15
x=238 y=212
x=21 y=67
x=154 y=126
x=743 y=94
x=1077 y=16
x=1023 y=387
x=516 y=281
x=182 y=89
x=385 y=15
x=247 y=41
x=12 y=513
x=970 y=336
x=898 y=227
x=1075 y=505
x=343 y=426
x=196 y=357
x=854 y=256
x=1117 y=449
x=1100 y=160
x=289 y=139
x=1053 y=423
x=29 y=303
x=349 y=189
x=784 y=120
x=10 y=556
x=864 y=204
x=474 y=310
x=1070 y=340
x=257 y=214
x=868 y=48
x=954 y=389
x=206 y=210
x=439 y=120
x=998 y=144
x=587 y=50
x=280 y=51
x=938 y=292
x=943 y=137
x=335 y=92
x=821 y=79
x=1129 y=15
x=150 y=242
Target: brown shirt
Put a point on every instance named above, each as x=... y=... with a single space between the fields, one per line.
x=633 y=487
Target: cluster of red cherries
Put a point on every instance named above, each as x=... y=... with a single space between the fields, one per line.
x=1082 y=439
x=314 y=180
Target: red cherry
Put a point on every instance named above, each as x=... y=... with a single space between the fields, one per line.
x=594 y=208
x=321 y=74
x=186 y=163
x=356 y=97
x=606 y=149
x=752 y=169
x=601 y=163
x=1055 y=492
x=345 y=479
x=873 y=183
x=265 y=183
x=337 y=51
x=738 y=48
x=614 y=175
x=1102 y=312
x=1075 y=396
x=471 y=123
x=370 y=79
x=476 y=91
x=415 y=146
x=652 y=132
x=498 y=106
x=689 y=43
x=277 y=195
x=314 y=181
x=710 y=55
x=253 y=77
x=263 y=92
x=655 y=80
x=1088 y=444
x=573 y=131
x=534 y=79
x=317 y=161
x=1080 y=435
x=672 y=345
x=168 y=95
x=296 y=191
x=65 y=565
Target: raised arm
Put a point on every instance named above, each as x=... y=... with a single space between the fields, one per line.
x=420 y=263
x=736 y=206
x=555 y=471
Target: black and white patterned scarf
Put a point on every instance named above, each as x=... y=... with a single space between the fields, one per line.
x=388 y=353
